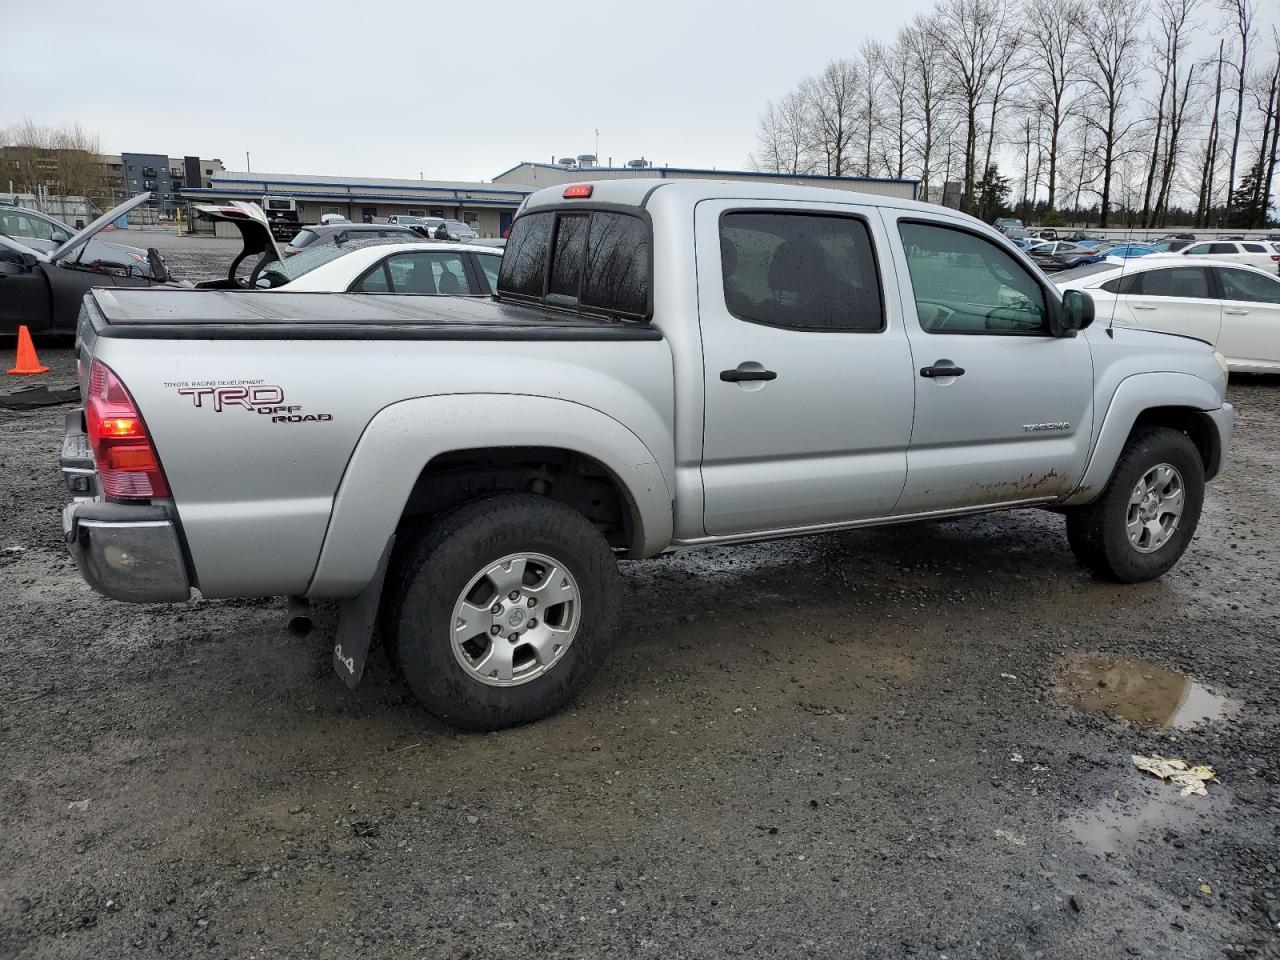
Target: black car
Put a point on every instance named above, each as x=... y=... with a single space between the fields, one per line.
x=43 y=290
x=45 y=234
x=341 y=233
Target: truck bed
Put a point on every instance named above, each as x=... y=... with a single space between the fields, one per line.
x=179 y=314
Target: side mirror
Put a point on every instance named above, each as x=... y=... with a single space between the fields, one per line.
x=59 y=237
x=1077 y=312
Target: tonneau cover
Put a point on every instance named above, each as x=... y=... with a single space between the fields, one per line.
x=169 y=306
x=162 y=313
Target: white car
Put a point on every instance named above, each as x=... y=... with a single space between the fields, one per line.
x=1255 y=253
x=1233 y=306
x=432 y=268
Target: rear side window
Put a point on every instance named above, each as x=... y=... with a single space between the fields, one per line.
x=801 y=271
x=1174 y=282
x=303 y=238
x=1121 y=285
x=423 y=272
x=598 y=260
x=1253 y=248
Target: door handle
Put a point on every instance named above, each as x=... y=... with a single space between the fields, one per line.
x=1236 y=312
x=942 y=370
x=740 y=375
x=1143 y=306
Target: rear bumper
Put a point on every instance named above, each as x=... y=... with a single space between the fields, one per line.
x=127 y=552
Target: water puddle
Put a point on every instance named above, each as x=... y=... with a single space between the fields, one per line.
x=1137 y=691
x=1157 y=820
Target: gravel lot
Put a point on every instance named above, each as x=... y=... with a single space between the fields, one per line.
x=849 y=746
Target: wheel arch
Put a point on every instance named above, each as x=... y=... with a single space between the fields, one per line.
x=464 y=446
x=1178 y=400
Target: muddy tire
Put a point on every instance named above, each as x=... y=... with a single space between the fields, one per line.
x=503 y=610
x=1144 y=520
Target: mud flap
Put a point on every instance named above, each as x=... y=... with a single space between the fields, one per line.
x=357 y=619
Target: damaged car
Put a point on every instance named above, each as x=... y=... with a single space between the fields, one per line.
x=42 y=289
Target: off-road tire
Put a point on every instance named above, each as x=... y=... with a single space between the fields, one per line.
x=1097 y=532
x=436 y=565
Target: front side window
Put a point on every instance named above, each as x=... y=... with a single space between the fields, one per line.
x=1174 y=282
x=21 y=225
x=1220 y=248
x=801 y=271
x=964 y=283
x=1249 y=286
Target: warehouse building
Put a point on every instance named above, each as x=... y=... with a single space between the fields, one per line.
x=487 y=207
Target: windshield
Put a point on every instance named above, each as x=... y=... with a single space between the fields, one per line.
x=280 y=272
x=408 y=221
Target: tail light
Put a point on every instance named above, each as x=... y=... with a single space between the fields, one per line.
x=128 y=468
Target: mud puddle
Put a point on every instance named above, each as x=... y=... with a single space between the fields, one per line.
x=1137 y=691
x=1163 y=819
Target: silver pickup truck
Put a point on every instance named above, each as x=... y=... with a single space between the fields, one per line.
x=668 y=363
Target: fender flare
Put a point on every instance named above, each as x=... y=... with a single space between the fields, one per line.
x=404 y=437
x=1134 y=395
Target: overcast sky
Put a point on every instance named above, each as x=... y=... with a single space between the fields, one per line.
x=454 y=91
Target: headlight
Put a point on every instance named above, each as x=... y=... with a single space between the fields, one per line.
x=137 y=258
x=1222 y=362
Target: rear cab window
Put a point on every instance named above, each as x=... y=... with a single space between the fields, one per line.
x=594 y=261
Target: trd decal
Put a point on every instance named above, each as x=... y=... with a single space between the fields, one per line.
x=254 y=396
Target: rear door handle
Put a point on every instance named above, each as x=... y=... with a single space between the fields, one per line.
x=1236 y=312
x=942 y=370
x=1144 y=306
x=740 y=375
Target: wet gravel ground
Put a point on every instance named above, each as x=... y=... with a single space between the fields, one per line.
x=846 y=746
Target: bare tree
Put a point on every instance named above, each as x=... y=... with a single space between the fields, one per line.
x=927 y=88
x=1205 y=201
x=1175 y=26
x=871 y=57
x=62 y=160
x=783 y=137
x=1244 y=13
x=1053 y=27
x=1267 y=92
x=968 y=34
x=1111 y=39
x=831 y=98
x=1010 y=71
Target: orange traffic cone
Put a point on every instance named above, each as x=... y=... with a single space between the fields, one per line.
x=27 y=361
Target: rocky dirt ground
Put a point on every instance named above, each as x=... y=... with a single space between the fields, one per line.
x=905 y=742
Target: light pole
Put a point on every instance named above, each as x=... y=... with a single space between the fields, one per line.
x=247 y=168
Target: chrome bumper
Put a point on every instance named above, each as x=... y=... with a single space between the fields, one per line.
x=127 y=552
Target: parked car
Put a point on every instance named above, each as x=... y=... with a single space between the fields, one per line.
x=388 y=266
x=454 y=230
x=1126 y=251
x=1005 y=224
x=667 y=363
x=1171 y=245
x=1256 y=253
x=1045 y=233
x=1234 y=307
x=1062 y=255
x=1095 y=244
x=43 y=289
x=44 y=233
x=327 y=218
x=321 y=234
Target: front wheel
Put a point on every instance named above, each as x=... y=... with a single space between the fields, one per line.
x=504 y=611
x=1144 y=520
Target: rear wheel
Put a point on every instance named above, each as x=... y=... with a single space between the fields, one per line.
x=1141 y=525
x=504 y=611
